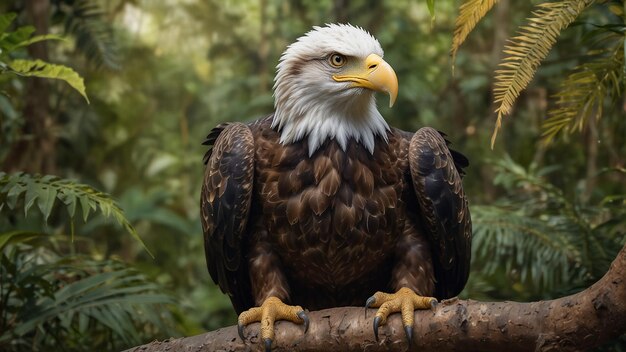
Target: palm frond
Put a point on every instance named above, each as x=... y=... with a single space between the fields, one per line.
x=72 y=297
x=526 y=51
x=45 y=191
x=583 y=93
x=537 y=226
x=470 y=13
x=94 y=34
x=505 y=237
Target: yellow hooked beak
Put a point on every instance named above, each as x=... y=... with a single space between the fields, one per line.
x=376 y=75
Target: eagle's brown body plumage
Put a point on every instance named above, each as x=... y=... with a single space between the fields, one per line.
x=332 y=228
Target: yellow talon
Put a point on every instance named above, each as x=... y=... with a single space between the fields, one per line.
x=271 y=310
x=404 y=301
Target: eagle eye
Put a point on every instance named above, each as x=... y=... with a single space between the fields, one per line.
x=337 y=60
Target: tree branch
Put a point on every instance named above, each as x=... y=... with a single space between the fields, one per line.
x=573 y=323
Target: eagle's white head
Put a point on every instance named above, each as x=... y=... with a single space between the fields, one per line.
x=324 y=88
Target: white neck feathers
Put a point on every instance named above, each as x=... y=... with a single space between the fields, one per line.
x=321 y=118
x=309 y=103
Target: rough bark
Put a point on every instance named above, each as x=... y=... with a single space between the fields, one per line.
x=573 y=323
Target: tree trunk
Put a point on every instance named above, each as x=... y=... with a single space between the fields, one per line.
x=573 y=323
x=35 y=152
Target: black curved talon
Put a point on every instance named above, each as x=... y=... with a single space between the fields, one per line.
x=302 y=315
x=376 y=322
x=268 y=345
x=240 y=331
x=408 y=330
x=369 y=302
x=433 y=304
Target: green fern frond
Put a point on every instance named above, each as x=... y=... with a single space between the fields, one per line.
x=66 y=296
x=470 y=13
x=537 y=208
x=537 y=226
x=583 y=93
x=45 y=191
x=94 y=34
x=504 y=237
x=527 y=50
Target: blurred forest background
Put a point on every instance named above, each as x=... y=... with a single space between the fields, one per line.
x=82 y=180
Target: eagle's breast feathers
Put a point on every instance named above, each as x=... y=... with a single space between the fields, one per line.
x=342 y=207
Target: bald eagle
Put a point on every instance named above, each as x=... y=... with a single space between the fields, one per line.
x=323 y=204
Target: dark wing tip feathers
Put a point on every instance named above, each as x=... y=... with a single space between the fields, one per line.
x=443 y=207
x=210 y=140
x=226 y=199
x=460 y=160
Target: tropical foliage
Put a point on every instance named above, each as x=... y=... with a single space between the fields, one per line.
x=536 y=226
x=470 y=12
x=584 y=91
x=48 y=298
x=22 y=37
x=548 y=217
x=49 y=292
x=541 y=223
x=46 y=190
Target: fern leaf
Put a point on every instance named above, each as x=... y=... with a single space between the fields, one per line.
x=38 y=68
x=513 y=239
x=584 y=91
x=470 y=13
x=45 y=190
x=73 y=294
x=87 y=21
x=526 y=51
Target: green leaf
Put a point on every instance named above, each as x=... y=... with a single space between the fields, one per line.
x=45 y=201
x=6 y=20
x=32 y=192
x=84 y=205
x=14 y=191
x=13 y=39
x=39 y=38
x=431 y=8
x=69 y=199
x=39 y=68
x=17 y=236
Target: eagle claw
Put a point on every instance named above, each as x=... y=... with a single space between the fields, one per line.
x=268 y=345
x=404 y=301
x=376 y=322
x=302 y=315
x=408 y=330
x=370 y=301
x=240 y=331
x=271 y=310
x=434 y=303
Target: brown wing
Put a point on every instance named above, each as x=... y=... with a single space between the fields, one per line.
x=437 y=181
x=225 y=204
